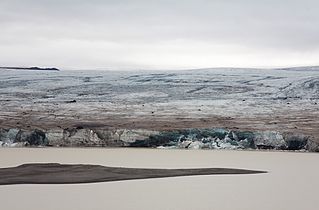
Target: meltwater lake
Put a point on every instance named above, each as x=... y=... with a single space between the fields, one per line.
x=290 y=184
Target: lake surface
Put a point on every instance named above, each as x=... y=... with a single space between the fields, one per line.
x=292 y=181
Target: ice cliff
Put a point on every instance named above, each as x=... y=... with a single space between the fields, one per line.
x=210 y=138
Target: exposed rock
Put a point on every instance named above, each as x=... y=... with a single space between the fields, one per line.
x=70 y=102
x=30 y=68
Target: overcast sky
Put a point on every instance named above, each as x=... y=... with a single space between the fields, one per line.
x=159 y=34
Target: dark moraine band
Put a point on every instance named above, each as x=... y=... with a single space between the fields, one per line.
x=55 y=173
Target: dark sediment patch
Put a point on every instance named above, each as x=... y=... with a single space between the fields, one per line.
x=54 y=173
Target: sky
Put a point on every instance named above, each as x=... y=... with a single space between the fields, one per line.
x=159 y=34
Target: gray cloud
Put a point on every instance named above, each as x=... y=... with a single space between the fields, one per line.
x=159 y=34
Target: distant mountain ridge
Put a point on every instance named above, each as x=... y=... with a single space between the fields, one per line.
x=301 y=68
x=293 y=68
x=30 y=68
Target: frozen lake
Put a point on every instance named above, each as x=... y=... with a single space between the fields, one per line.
x=291 y=184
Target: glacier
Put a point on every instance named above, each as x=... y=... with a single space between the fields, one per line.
x=218 y=108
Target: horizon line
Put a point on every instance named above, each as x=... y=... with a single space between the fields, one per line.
x=156 y=69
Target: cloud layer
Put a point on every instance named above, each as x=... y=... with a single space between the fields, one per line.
x=162 y=34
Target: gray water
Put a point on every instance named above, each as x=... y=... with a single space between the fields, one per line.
x=291 y=184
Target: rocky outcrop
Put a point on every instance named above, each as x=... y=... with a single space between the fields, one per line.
x=211 y=138
x=30 y=68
